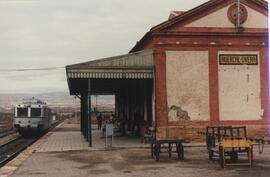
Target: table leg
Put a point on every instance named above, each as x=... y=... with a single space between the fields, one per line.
x=249 y=157
x=222 y=160
x=152 y=149
x=170 y=151
x=157 y=151
x=180 y=151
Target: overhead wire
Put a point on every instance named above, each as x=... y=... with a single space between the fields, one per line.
x=31 y=69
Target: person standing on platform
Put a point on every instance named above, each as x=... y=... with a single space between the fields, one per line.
x=99 y=121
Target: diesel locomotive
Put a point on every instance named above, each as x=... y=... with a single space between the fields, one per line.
x=32 y=117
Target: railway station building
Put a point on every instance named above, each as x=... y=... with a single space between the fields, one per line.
x=205 y=66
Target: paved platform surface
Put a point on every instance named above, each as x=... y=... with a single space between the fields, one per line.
x=64 y=153
x=67 y=137
x=134 y=163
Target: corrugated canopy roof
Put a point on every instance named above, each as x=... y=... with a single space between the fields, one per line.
x=137 y=65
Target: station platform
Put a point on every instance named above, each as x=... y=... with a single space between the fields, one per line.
x=67 y=137
x=64 y=152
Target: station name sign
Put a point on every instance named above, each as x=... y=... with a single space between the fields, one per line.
x=231 y=59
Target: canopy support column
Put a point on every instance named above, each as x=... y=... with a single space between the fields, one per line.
x=89 y=119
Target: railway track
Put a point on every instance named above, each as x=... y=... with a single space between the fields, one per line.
x=7 y=133
x=6 y=130
x=11 y=149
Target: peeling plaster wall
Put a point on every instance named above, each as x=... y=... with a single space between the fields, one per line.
x=239 y=90
x=187 y=85
x=220 y=19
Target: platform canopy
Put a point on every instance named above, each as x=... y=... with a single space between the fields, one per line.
x=139 y=65
x=128 y=77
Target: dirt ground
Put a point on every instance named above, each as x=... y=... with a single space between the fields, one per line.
x=136 y=163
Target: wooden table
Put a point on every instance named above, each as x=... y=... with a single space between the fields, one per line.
x=227 y=146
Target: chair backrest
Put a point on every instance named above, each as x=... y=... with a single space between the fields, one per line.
x=239 y=132
x=215 y=134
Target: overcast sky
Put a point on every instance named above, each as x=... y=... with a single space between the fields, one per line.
x=55 y=33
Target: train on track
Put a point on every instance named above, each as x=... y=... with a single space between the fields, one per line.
x=32 y=117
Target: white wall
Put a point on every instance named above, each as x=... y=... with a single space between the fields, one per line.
x=239 y=90
x=187 y=79
x=220 y=19
x=215 y=19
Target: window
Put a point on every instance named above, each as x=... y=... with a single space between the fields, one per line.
x=22 y=112
x=35 y=112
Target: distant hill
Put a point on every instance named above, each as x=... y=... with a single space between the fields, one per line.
x=53 y=99
x=8 y=101
x=4 y=110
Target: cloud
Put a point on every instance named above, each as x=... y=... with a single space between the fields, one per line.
x=48 y=33
x=33 y=82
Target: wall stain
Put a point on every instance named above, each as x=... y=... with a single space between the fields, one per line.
x=177 y=113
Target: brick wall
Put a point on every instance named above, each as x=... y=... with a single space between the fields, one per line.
x=194 y=131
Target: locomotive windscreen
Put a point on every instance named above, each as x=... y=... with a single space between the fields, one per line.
x=22 y=112
x=35 y=112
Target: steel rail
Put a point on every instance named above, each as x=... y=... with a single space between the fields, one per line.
x=9 y=142
x=11 y=149
x=7 y=133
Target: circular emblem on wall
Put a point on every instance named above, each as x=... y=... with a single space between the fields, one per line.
x=232 y=14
